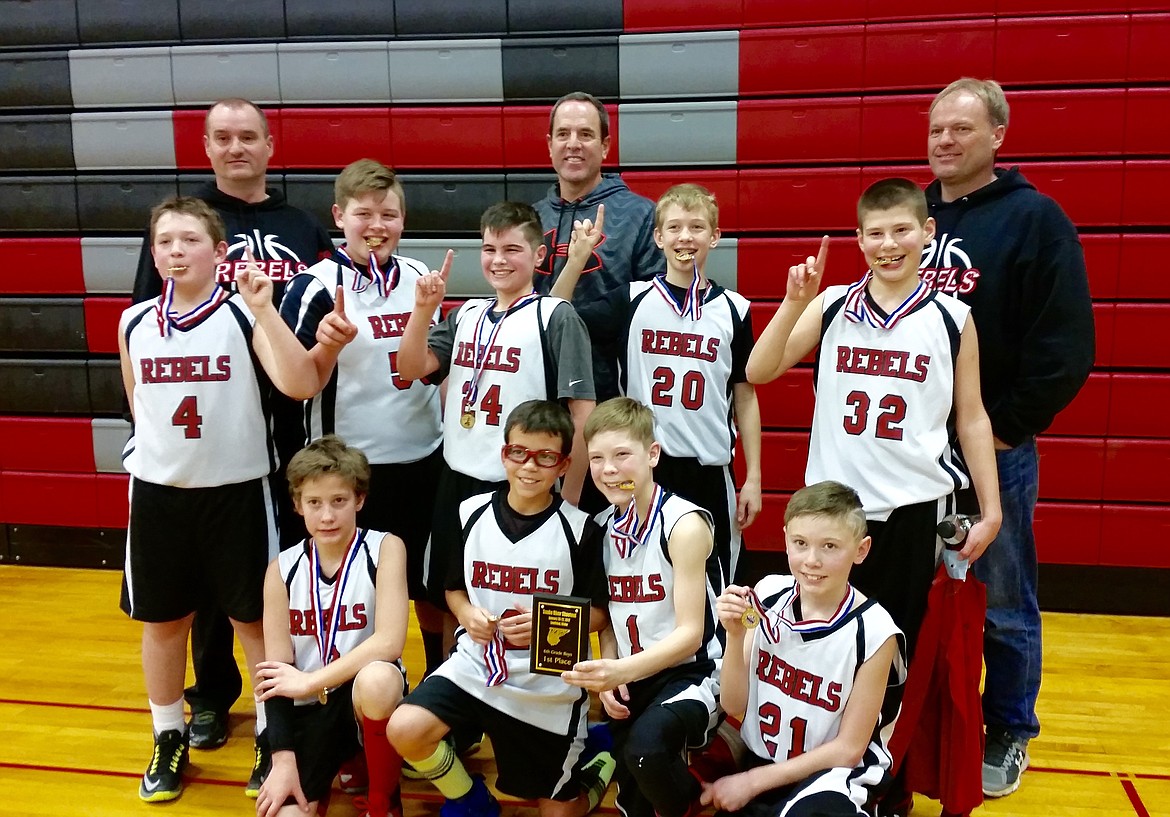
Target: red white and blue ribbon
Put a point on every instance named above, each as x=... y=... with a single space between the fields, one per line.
x=768 y=623
x=385 y=280
x=164 y=309
x=627 y=531
x=482 y=350
x=692 y=305
x=495 y=659
x=812 y=626
x=858 y=310
x=328 y=621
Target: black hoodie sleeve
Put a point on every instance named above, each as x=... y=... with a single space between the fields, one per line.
x=147 y=284
x=1058 y=345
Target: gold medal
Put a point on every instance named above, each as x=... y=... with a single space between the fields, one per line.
x=323 y=695
x=467 y=419
x=750 y=619
x=626 y=485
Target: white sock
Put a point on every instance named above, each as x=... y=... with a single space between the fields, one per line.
x=261 y=715
x=167 y=716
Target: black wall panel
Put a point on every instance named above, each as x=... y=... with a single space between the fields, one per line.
x=129 y=21
x=42 y=325
x=44 y=386
x=360 y=19
x=38 y=22
x=36 y=142
x=564 y=16
x=478 y=18
x=38 y=203
x=217 y=21
x=546 y=69
x=120 y=203
x=34 y=80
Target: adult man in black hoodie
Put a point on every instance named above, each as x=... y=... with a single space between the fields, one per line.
x=284 y=240
x=1014 y=256
x=578 y=142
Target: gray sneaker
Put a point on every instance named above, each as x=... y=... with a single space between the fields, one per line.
x=1004 y=759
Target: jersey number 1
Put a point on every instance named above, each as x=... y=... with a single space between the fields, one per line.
x=188 y=418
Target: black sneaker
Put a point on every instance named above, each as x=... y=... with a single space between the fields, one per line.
x=164 y=776
x=208 y=729
x=261 y=765
x=1004 y=759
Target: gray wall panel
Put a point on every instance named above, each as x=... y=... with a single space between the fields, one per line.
x=678 y=133
x=333 y=72
x=112 y=77
x=466 y=279
x=109 y=438
x=686 y=64
x=205 y=73
x=446 y=71
x=140 y=140
x=108 y=265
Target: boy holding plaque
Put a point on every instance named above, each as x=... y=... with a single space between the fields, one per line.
x=335 y=613
x=495 y=353
x=815 y=670
x=658 y=674
x=516 y=542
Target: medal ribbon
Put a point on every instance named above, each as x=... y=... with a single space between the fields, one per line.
x=482 y=351
x=692 y=305
x=384 y=280
x=858 y=310
x=495 y=659
x=325 y=640
x=769 y=625
x=164 y=310
x=627 y=532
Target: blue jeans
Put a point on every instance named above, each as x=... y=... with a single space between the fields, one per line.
x=1011 y=637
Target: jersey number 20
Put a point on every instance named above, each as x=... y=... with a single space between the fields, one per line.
x=691 y=395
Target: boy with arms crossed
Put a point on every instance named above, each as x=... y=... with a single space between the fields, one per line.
x=202 y=521
x=395 y=422
x=516 y=541
x=657 y=675
x=897 y=379
x=681 y=344
x=818 y=680
x=335 y=613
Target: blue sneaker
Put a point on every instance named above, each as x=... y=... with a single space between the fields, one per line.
x=476 y=803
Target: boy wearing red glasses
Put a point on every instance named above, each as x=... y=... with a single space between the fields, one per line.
x=518 y=540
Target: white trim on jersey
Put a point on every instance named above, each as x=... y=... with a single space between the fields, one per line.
x=201 y=417
x=884 y=412
x=365 y=402
x=501 y=575
x=681 y=367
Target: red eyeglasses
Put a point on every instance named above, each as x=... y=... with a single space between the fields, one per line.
x=545 y=457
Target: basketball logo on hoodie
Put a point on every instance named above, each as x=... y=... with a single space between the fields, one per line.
x=947 y=268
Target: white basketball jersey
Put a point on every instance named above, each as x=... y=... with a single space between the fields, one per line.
x=392 y=420
x=641 y=583
x=354 y=607
x=681 y=367
x=200 y=407
x=502 y=575
x=884 y=416
x=798 y=686
x=514 y=372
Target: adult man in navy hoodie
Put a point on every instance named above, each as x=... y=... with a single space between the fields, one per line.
x=284 y=240
x=1014 y=256
x=578 y=142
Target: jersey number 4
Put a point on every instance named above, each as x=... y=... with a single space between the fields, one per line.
x=770 y=726
x=892 y=412
x=691 y=391
x=188 y=418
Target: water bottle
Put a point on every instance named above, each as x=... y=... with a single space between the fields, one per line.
x=953 y=532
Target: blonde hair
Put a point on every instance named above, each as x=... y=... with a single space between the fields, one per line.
x=622 y=414
x=694 y=198
x=366 y=176
x=832 y=500
x=329 y=455
x=988 y=90
x=190 y=206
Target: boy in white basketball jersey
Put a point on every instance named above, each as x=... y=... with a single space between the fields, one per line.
x=335 y=613
x=516 y=541
x=897 y=381
x=395 y=422
x=815 y=671
x=495 y=354
x=681 y=343
x=657 y=676
x=201 y=513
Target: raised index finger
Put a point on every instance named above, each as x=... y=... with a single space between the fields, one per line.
x=339 y=301
x=599 y=223
x=445 y=270
x=823 y=254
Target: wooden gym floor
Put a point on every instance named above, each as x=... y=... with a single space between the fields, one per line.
x=74 y=725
